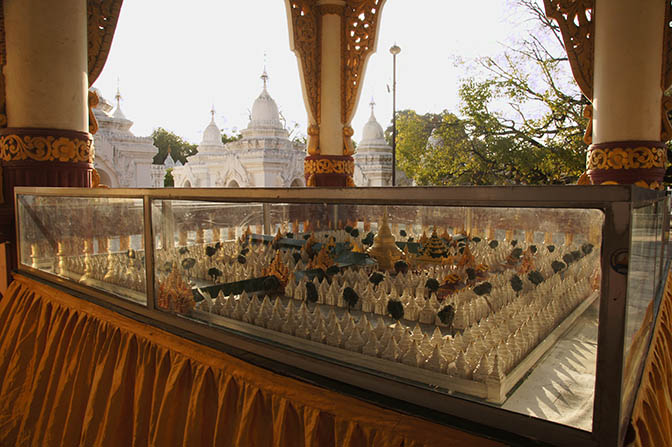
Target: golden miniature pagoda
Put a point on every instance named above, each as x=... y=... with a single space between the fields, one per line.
x=433 y=251
x=174 y=293
x=323 y=260
x=384 y=249
x=467 y=259
x=278 y=269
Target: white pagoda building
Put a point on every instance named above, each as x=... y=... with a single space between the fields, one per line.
x=123 y=160
x=263 y=157
x=373 y=159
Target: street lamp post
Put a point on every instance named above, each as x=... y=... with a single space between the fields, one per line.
x=394 y=49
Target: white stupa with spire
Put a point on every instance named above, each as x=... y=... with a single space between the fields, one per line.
x=211 y=142
x=264 y=156
x=123 y=160
x=373 y=159
x=117 y=111
x=265 y=116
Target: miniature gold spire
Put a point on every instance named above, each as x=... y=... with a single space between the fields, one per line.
x=384 y=249
x=277 y=269
x=323 y=260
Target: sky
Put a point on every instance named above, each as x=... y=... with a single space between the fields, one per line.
x=173 y=60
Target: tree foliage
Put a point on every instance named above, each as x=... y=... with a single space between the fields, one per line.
x=169 y=180
x=520 y=121
x=167 y=142
x=235 y=136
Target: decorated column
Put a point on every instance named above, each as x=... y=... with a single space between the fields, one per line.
x=332 y=40
x=620 y=54
x=51 y=52
x=627 y=95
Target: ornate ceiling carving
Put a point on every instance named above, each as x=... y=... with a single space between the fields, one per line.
x=102 y=21
x=360 y=29
x=306 y=30
x=576 y=20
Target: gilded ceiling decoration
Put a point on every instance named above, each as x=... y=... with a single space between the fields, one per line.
x=306 y=32
x=359 y=41
x=102 y=21
x=576 y=20
x=358 y=38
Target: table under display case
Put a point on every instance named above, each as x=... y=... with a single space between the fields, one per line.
x=479 y=304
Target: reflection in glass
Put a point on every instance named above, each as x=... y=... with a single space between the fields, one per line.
x=94 y=241
x=491 y=304
x=644 y=271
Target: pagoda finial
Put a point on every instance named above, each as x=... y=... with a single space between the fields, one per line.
x=118 y=95
x=212 y=111
x=372 y=104
x=264 y=75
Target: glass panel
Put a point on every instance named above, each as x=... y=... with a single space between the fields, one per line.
x=644 y=281
x=490 y=304
x=94 y=241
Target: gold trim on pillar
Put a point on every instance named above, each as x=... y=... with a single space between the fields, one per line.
x=588 y=114
x=329 y=166
x=93 y=102
x=358 y=42
x=306 y=44
x=641 y=163
x=615 y=157
x=18 y=143
x=329 y=170
x=348 y=147
x=102 y=17
x=313 y=140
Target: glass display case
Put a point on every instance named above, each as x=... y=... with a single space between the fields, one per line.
x=492 y=304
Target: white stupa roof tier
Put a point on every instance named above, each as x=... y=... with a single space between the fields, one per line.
x=373 y=137
x=211 y=143
x=265 y=117
x=212 y=136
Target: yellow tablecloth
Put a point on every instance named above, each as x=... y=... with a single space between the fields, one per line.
x=76 y=374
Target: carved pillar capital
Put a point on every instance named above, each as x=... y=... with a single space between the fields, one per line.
x=329 y=78
x=627 y=162
x=41 y=145
x=329 y=170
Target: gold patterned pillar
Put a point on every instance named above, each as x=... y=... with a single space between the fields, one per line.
x=332 y=40
x=45 y=49
x=628 y=91
x=620 y=54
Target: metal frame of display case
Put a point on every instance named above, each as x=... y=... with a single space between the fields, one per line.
x=616 y=202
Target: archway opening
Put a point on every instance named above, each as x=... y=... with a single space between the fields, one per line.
x=187 y=184
x=233 y=184
x=296 y=183
x=105 y=178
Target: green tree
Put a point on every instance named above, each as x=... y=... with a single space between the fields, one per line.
x=526 y=113
x=521 y=120
x=426 y=164
x=169 y=180
x=235 y=136
x=167 y=142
